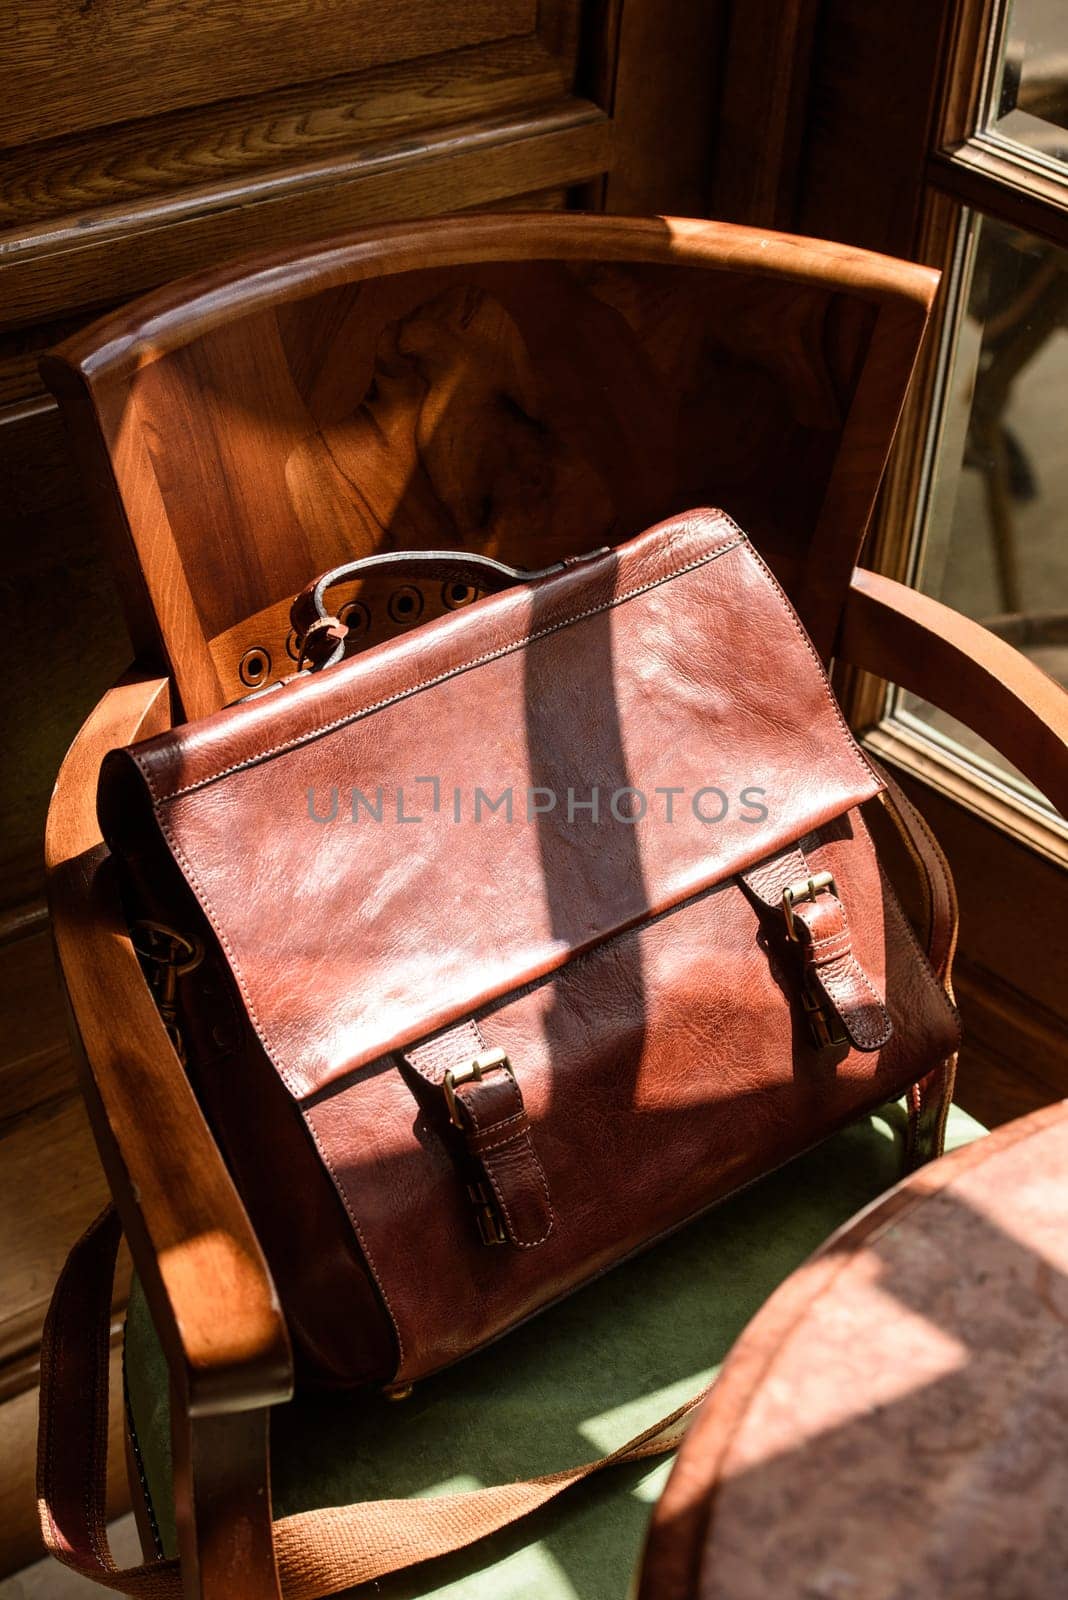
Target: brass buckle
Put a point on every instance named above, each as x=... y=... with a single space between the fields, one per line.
x=486 y=1061
x=804 y=889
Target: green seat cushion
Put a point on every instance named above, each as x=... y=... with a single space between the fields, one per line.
x=570 y=1386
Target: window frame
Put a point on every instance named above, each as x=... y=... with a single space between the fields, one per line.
x=969 y=171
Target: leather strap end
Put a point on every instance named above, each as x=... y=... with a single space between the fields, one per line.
x=497 y=1134
x=322 y=644
x=830 y=965
x=511 y=1196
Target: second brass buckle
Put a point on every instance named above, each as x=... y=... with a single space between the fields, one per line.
x=804 y=889
x=486 y=1061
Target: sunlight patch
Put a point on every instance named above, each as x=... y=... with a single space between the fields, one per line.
x=609 y=1429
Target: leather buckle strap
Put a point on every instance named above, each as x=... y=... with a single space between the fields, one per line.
x=484 y=1102
x=841 y=1004
x=824 y=1023
x=474 y=1072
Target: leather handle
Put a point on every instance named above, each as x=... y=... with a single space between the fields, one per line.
x=321 y=636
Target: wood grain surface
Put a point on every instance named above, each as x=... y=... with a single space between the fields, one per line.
x=214 y=52
x=531 y=388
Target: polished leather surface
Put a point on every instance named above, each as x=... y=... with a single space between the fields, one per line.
x=650 y=1005
x=674 y=662
x=660 y=1072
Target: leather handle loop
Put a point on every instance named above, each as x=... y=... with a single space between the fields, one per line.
x=319 y=644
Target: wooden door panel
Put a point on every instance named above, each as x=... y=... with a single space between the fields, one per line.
x=454 y=169
x=160 y=55
x=222 y=143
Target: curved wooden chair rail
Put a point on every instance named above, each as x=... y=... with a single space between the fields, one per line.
x=212 y=1297
x=962 y=668
x=546 y=383
x=209 y=1287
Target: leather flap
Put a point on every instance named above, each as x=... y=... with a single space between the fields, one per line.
x=529 y=777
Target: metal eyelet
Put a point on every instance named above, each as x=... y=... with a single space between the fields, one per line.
x=456 y=593
x=406 y=605
x=254 y=666
x=356 y=617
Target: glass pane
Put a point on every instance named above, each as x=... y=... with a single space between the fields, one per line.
x=1031 y=99
x=996 y=544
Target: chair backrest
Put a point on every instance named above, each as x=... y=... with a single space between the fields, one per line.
x=530 y=386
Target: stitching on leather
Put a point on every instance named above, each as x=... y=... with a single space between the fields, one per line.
x=838 y=983
x=437 y=1047
x=472 y=1111
x=209 y=910
x=897 y=805
x=515 y=1117
x=927 y=875
x=516 y=1135
x=521 y=1244
x=836 y=986
x=840 y=978
x=914 y=856
x=437 y=1052
x=853 y=973
x=368 y=1257
x=99 y=1376
x=829 y=949
x=930 y=977
x=947 y=1064
x=741 y=542
x=946 y=1072
x=941 y=1079
x=526 y=1244
x=828 y=938
x=858 y=754
x=767 y=879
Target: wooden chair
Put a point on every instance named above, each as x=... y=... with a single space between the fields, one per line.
x=530 y=386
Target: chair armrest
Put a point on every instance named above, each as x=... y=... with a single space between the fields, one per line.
x=205 y=1276
x=961 y=667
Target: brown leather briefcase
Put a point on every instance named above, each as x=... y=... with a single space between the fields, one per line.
x=502 y=949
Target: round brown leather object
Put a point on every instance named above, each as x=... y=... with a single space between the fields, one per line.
x=894 y=1422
